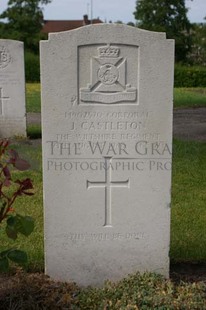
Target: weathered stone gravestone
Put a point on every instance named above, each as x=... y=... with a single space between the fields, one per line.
x=107 y=136
x=12 y=89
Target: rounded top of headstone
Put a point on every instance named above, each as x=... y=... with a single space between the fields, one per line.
x=109 y=30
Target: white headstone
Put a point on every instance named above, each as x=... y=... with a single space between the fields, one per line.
x=107 y=136
x=12 y=89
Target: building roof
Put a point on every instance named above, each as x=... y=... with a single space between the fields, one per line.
x=63 y=25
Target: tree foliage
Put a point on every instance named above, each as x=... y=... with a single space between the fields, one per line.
x=23 y=21
x=197 y=55
x=168 y=16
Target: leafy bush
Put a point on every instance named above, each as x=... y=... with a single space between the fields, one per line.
x=10 y=190
x=136 y=292
x=190 y=76
x=32 y=67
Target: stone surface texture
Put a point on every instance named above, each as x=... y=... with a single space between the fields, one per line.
x=107 y=138
x=12 y=89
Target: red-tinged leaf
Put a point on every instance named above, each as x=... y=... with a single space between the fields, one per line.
x=25 y=184
x=13 y=156
x=28 y=194
x=6 y=143
x=21 y=164
x=13 y=153
x=7 y=182
x=6 y=172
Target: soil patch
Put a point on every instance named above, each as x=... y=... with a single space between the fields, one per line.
x=190 y=124
x=188 y=272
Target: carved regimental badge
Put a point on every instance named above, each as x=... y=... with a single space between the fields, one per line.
x=108 y=79
x=5 y=57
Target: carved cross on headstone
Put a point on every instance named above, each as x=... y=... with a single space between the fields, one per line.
x=108 y=184
x=1 y=100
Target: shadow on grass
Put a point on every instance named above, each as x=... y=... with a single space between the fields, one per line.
x=34 y=132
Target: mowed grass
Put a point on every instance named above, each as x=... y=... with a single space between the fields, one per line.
x=34 y=131
x=189 y=97
x=183 y=97
x=188 y=228
x=33 y=97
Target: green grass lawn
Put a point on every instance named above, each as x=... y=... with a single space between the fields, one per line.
x=189 y=97
x=33 y=97
x=34 y=131
x=183 y=97
x=188 y=228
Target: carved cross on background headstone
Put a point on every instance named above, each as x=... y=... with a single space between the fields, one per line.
x=2 y=98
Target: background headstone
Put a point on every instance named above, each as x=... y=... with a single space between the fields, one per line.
x=12 y=89
x=107 y=137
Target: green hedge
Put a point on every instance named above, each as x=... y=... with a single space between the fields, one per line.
x=32 y=67
x=190 y=76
